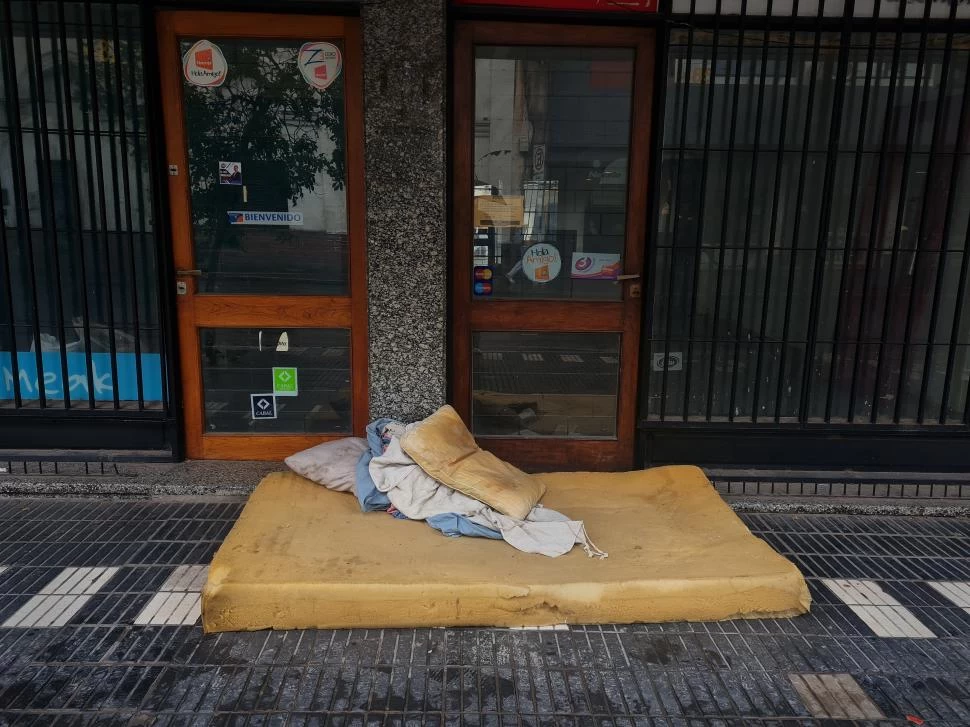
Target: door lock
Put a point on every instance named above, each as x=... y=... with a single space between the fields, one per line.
x=635 y=290
x=181 y=288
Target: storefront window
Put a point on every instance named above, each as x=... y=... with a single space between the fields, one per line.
x=79 y=315
x=552 y=132
x=279 y=381
x=801 y=277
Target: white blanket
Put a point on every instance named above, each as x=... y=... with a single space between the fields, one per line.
x=419 y=496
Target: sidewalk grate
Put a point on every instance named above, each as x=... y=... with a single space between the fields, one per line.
x=54 y=468
x=107 y=664
x=900 y=489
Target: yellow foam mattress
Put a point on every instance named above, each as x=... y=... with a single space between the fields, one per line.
x=301 y=556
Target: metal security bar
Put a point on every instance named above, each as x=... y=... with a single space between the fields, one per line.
x=79 y=310
x=811 y=255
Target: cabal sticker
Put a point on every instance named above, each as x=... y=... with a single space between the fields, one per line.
x=204 y=65
x=320 y=63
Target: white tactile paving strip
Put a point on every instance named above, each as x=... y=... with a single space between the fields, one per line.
x=179 y=601
x=61 y=599
x=834 y=696
x=571 y=358
x=957 y=592
x=880 y=611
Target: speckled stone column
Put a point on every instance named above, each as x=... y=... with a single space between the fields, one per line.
x=405 y=55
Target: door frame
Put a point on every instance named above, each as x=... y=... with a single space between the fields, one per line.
x=623 y=316
x=243 y=311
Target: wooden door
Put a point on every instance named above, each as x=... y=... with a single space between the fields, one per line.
x=551 y=138
x=264 y=142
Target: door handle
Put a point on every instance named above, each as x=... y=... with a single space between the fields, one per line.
x=191 y=273
x=634 y=276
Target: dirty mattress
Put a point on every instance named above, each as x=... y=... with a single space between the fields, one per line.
x=301 y=556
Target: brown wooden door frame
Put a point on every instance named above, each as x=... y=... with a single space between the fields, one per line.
x=228 y=311
x=622 y=316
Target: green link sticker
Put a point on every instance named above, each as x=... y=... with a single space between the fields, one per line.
x=284 y=381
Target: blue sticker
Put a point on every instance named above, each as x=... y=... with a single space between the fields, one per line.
x=126 y=365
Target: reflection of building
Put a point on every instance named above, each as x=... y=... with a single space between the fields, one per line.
x=796 y=207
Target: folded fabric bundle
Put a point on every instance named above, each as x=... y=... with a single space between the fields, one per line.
x=387 y=478
x=420 y=497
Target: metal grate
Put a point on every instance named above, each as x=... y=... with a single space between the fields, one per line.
x=811 y=259
x=898 y=489
x=79 y=312
x=57 y=469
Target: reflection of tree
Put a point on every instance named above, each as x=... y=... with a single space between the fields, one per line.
x=265 y=112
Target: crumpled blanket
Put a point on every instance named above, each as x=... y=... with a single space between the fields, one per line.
x=420 y=497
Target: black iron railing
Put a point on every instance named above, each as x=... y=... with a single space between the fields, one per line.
x=80 y=326
x=810 y=261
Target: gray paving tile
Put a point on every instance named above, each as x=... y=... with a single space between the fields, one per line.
x=103 y=669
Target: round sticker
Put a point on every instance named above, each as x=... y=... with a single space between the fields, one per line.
x=320 y=63
x=541 y=263
x=204 y=65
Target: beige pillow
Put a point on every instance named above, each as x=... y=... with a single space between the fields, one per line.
x=331 y=464
x=446 y=450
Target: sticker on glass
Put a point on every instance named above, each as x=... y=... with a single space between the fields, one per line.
x=320 y=63
x=204 y=65
x=262 y=406
x=230 y=173
x=243 y=217
x=483 y=272
x=595 y=266
x=284 y=381
x=541 y=263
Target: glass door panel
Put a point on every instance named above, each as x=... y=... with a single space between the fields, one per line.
x=551 y=129
x=266 y=162
x=264 y=138
x=552 y=142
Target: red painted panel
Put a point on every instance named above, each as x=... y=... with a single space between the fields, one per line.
x=627 y=6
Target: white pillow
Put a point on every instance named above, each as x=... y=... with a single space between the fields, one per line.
x=331 y=464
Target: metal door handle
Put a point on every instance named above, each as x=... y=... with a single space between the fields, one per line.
x=192 y=273
x=628 y=277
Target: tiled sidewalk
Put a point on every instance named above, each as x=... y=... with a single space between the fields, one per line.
x=98 y=625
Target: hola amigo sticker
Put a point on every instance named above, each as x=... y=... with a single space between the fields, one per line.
x=542 y=263
x=204 y=65
x=320 y=63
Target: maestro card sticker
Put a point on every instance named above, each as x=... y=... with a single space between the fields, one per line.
x=204 y=65
x=320 y=63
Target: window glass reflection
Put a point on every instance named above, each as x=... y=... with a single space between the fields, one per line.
x=552 y=128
